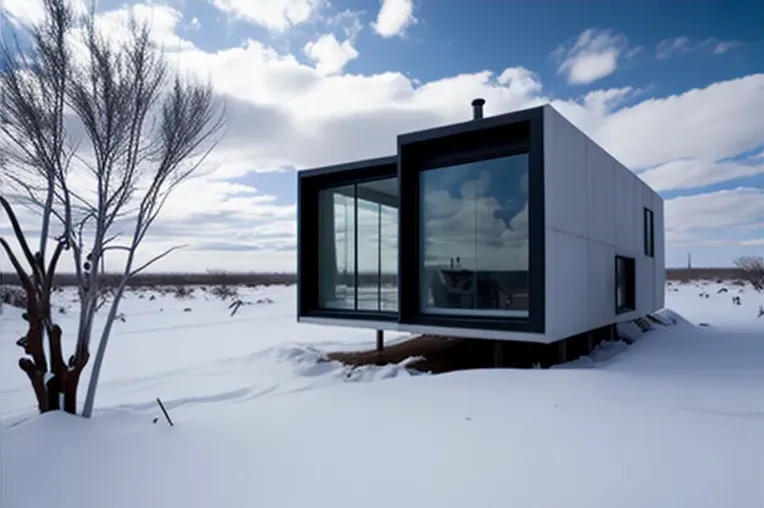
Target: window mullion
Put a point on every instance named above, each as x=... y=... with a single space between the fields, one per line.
x=355 y=246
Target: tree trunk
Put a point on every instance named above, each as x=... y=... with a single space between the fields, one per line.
x=87 y=408
x=57 y=389
x=70 y=392
x=35 y=367
x=37 y=379
x=51 y=382
x=54 y=393
x=65 y=380
x=72 y=381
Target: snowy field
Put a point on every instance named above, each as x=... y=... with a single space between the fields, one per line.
x=674 y=420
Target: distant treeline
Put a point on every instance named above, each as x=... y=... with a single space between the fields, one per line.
x=209 y=279
x=687 y=274
x=177 y=279
x=270 y=279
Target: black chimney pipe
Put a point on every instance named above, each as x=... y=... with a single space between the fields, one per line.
x=477 y=109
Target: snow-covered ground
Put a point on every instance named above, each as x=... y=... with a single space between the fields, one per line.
x=674 y=420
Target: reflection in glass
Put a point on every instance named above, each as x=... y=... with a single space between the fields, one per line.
x=388 y=249
x=474 y=238
x=368 y=254
x=368 y=213
x=336 y=253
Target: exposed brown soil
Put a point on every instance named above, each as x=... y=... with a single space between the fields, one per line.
x=443 y=354
x=436 y=352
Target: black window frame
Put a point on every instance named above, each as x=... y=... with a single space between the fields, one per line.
x=515 y=133
x=648 y=236
x=629 y=265
x=309 y=184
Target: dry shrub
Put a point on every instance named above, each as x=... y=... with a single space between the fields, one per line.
x=13 y=296
x=183 y=292
x=752 y=270
x=222 y=285
x=224 y=292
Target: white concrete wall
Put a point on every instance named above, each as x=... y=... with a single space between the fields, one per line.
x=594 y=211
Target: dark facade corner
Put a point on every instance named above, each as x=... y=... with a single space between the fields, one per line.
x=505 y=151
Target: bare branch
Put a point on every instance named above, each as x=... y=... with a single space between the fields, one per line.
x=20 y=237
x=155 y=259
x=117 y=247
x=23 y=277
x=54 y=262
x=107 y=241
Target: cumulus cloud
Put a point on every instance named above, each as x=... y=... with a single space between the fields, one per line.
x=164 y=20
x=330 y=55
x=23 y=12
x=275 y=15
x=394 y=17
x=286 y=113
x=594 y=55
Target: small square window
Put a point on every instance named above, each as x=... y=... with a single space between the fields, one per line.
x=625 y=285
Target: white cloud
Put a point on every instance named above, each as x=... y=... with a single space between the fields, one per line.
x=676 y=46
x=287 y=113
x=697 y=173
x=394 y=17
x=163 y=19
x=275 y=15
x=348 y=21
x=725 y=46
x=698 y=218
x=330 y=55
x=711 y=123
x=24 y=12
x=671 y=47
x=594 y=55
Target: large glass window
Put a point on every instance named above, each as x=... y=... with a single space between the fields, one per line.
x=358 y=258
x=336 y=255
x=474 y=238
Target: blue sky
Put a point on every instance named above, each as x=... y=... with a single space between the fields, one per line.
x=670 y=88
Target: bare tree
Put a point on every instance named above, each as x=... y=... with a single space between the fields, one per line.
x=144 y=130
x=752 y=270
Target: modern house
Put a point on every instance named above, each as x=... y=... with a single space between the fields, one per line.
x=515 y=228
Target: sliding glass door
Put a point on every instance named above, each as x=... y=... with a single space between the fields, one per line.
x=358 y=254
